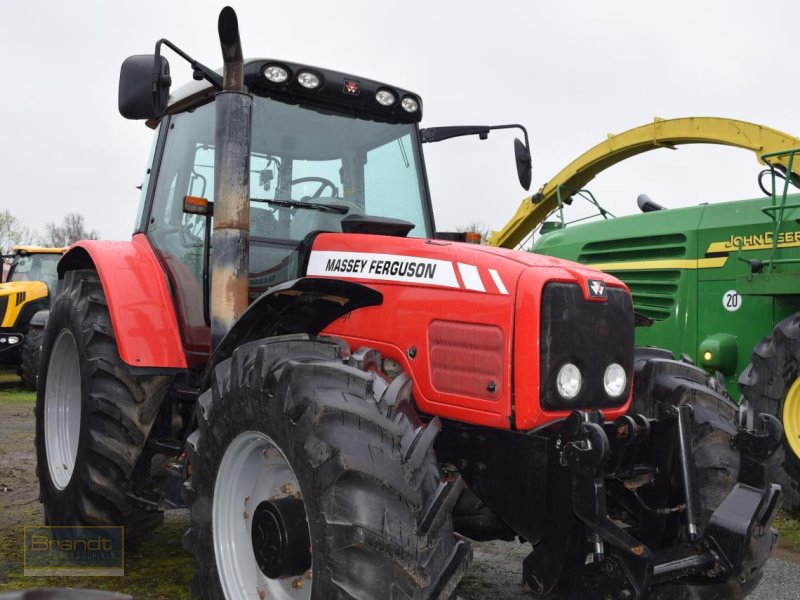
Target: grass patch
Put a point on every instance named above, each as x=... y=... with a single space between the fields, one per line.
x=159 y=569
x=12 y=390
x=789 y=529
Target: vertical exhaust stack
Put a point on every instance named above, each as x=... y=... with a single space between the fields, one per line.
x=231 y=238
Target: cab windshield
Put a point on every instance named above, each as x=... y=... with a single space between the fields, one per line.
x=35 y=267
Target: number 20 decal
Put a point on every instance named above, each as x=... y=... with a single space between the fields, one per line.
x=731 y=300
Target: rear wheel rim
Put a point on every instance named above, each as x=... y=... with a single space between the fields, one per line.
x=62 y=410
x=253 y=470
x=791 y=418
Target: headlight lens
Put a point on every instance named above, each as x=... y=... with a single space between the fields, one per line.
x=385 y=97
x=568 y=381
x=409 y=104
x=614 y=380
x=308 y=80
x=276 y=73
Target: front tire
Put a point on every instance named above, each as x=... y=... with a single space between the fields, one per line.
x=286 y=424
x=93 y=416
x=771 y=384
x=31 y=350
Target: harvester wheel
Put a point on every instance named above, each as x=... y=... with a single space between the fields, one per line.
x=716 y=462
x=771 y=384
x=93 y=416
x=31 y=350
x=306 y=484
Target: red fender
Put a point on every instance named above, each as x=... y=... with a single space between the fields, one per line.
x=139 y=300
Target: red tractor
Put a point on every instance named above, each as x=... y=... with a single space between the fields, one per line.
x=342 y=396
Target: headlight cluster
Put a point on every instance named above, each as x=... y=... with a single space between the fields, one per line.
x=10 y=340
x=313 y=80
x=279 y=74
x=569 y=380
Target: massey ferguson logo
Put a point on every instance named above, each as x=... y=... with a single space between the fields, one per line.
x=351 y=87
x=597 y=289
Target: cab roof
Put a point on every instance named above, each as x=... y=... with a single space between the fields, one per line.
x=356 y=95
x=38 y=250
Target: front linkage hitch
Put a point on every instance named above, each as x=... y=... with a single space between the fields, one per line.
x=612 y=509
x=735 y=542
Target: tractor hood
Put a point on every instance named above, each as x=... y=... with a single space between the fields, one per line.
x=32 y=289
x=466 y=322
x=440 y=264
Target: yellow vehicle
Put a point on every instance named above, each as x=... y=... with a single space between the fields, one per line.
x=24 y=301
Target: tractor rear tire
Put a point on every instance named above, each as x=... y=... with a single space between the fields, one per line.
x=285 y=421
x=716 y=462
x=31 y=350
x=93 y=416
x=771 y=384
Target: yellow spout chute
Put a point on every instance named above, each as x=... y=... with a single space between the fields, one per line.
x=661 y=133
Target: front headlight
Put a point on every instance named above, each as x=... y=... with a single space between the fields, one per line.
x=568 y=381
x=614 y=380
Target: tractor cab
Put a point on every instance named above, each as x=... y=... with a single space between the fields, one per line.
x=328 y=152
x=32 y=263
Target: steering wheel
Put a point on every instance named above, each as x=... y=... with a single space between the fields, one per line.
x=324 y=184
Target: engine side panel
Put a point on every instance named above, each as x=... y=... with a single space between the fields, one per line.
x=139 y=300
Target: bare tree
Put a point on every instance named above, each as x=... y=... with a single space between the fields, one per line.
x=71 y=230
x=12 y=232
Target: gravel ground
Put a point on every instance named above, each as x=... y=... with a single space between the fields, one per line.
x=496 y=572
x=781 y=578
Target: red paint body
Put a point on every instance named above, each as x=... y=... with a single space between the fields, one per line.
x=422 y=326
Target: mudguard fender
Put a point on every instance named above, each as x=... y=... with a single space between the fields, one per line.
x=39 y=319
x=305 y=305
x=138 y=296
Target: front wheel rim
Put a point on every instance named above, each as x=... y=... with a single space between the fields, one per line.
x=62 y=410
x=253 y=470
x=791 y=418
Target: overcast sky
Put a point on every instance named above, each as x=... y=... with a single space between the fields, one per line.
x=572 y=72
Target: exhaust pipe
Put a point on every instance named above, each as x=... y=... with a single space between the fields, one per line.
x=231 y=236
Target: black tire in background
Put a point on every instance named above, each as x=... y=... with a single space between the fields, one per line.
x=117 y=408
x=377 y=507
x=662 y=380
x=769 y=385
x=31 y=350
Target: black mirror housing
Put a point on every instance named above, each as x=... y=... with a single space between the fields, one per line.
x=144 y=83
x=524 y=164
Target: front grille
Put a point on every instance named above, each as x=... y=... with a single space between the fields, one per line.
x=590 y=335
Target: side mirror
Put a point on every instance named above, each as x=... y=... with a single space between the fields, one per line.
x=524 y=164
x=144 y=82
